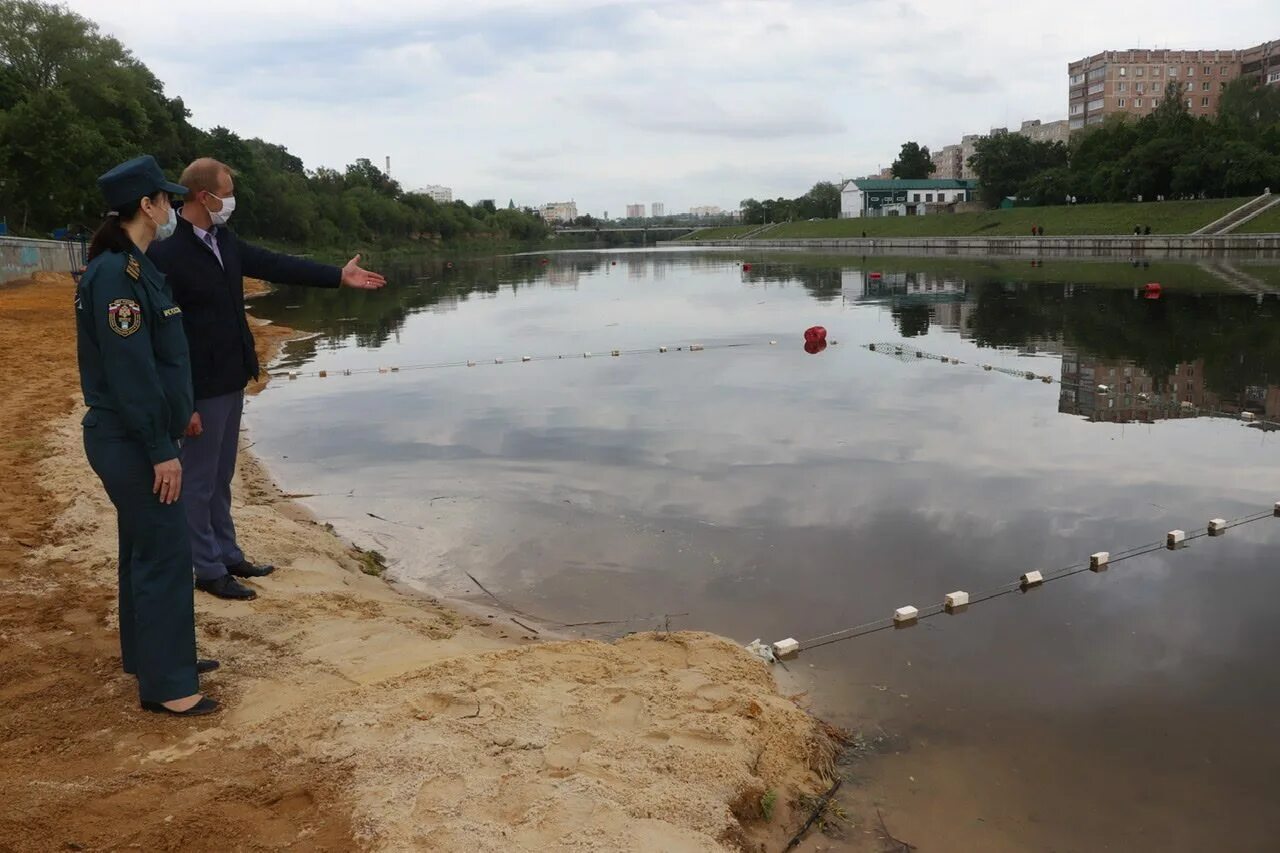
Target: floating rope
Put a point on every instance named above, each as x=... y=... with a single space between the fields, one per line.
x=524 y=359
x=1216 y=528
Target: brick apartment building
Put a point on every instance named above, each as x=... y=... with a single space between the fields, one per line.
x=1133 y=82
x=951 y=162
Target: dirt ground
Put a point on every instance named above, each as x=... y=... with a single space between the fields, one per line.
x=355 y=717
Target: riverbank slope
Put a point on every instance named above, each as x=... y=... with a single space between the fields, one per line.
x=356 y=717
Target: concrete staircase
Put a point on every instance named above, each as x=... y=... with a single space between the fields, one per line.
x=1239 y=216
x=756 y=232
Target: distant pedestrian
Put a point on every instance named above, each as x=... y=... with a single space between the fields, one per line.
x=1147 y=231
x=1033 y=230
x=1137 y=230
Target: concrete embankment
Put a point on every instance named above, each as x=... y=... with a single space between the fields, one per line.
x=1255 y=245
x=22 y=257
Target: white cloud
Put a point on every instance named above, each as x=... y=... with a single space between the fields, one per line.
x=696 y=102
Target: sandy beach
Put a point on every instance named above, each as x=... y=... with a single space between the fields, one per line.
x=356 y=716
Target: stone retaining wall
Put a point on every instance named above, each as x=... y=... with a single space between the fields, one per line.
x=22 y=256
x=1257 y=245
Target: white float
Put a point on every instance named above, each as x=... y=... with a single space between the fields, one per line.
x=786 y=648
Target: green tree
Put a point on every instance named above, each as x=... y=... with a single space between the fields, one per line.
x=913 y=162
x=752 y=211
x=822 y=201
x=1006 y=162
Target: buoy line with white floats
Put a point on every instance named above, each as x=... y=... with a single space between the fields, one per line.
x=524 y=359
x=953 y=603
x=957 y=602
x=900 y=351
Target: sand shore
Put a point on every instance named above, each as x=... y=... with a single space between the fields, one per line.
x=356 y=717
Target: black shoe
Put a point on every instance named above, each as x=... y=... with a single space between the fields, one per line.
x=204 y=706
x=227 y=587
x=245 y=569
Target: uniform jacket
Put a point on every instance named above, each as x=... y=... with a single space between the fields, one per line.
x=223 y=358
x=135 y=370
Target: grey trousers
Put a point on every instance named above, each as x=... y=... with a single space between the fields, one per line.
x=208 y=464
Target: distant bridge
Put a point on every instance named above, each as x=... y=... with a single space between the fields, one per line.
x=622 y=228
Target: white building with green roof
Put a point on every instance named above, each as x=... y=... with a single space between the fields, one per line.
x=876 y=197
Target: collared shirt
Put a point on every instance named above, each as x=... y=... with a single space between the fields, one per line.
x=210 y=239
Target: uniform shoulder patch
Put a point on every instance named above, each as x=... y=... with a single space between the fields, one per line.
x=133 y=269
x=171 y=312
x=124 y=316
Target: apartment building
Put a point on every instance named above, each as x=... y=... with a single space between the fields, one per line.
x=951 y=162
x=948 y=164
x=559 y=211
x=1051 y=131
x=635 y=211
x=658 y=209
x=437 y=192
x=1133 y=82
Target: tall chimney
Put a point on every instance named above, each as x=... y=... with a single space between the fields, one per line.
x=388 y=165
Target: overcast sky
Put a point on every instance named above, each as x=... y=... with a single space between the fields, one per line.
x=609 y=102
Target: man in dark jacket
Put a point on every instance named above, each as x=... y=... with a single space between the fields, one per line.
x=205 y=264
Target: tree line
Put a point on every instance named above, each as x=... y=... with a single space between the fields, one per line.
x=74 y=102
x=822 y=201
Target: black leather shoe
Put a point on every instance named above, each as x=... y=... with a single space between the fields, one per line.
x=227 y=587
x=204 y=706
x=204 y=665
x=245 y=569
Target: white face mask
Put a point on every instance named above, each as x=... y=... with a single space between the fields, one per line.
x=220 y=217
x=165 y=229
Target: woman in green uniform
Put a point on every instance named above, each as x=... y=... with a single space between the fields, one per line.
x=136 y=375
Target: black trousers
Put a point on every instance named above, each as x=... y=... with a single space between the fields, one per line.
x=157 y=591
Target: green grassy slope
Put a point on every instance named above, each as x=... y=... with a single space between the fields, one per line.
x=1168 y=217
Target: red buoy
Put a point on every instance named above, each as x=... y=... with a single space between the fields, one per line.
x=1152 y=287
x=815 y=334
x=815 y=347
x=746 y=267
x=874 y=275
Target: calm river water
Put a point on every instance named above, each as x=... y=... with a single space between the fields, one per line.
x=763 y=491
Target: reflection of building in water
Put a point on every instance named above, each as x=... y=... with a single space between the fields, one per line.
x=915 y=298
x=862 y=286
x=562 y=275
x=1133 y=394
x=637 y=267
x=956 y=317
